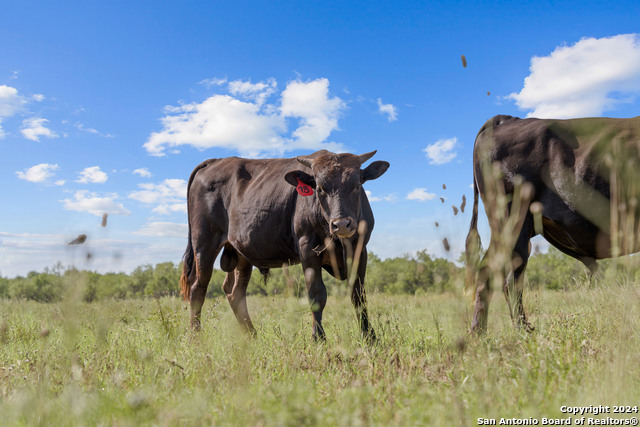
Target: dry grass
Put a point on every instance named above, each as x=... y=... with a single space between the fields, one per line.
x=136 y=362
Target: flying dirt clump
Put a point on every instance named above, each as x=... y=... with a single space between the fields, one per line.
x=78 y=240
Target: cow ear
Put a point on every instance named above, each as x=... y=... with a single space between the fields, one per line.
x=293 y=177
x=374 y=170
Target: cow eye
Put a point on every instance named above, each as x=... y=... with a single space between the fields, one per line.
x=321 y=192
x=357 y=188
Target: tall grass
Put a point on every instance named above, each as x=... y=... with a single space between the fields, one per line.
x=135 y=362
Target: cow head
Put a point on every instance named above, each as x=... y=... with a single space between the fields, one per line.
x=337 y=182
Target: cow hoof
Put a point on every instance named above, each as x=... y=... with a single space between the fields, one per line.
x=321 y=338
x=370 y=337
x=528 y=327
x=478 y=327
x=523 y=323
x=477 y=330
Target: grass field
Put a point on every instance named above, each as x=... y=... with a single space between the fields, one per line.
x=134 y=362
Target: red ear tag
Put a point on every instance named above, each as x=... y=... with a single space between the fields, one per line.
x=304 y=189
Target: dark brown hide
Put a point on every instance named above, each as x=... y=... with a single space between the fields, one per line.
x=580 y=190
x=251 y=210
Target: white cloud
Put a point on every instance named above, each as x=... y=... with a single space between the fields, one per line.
x=371 y=197
x=83 y=128
x=253 y=126
x=11 y=102
x=164 y=229
x=24 y=252
x=583 y=79
x=167 y=191
x=317 y=111
x=257 y=92
x=420 y=194
x=169 y=196
x=40 y=173
x=212 y=82
x=388 y=198
x=45 y=238
x=85 y=201
x=92 y=175
x=33 y=128
x=388 y=109
x=219 y=121
x=441 y=151
x=143 y=172
x=168 y=209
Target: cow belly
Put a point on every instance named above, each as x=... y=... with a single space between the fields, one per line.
x=262 y=235
x=578 y=239
x=266 y=252
x=270 y=260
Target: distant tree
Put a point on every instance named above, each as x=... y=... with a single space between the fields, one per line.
x=408 y=274
x=141 y=277
x=109 y=285
x=43 y=287
x=437 y=274
x=4 y=287
x=164 y=280
x=553 y=270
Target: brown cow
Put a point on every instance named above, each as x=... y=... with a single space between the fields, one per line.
x=266 y=213
x=576 y=182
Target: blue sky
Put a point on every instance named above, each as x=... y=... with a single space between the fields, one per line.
x=108 y=106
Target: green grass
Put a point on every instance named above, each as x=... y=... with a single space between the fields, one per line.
x=135 y=362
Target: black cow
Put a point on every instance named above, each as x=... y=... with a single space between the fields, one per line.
x=266 y=213
x=576 y=182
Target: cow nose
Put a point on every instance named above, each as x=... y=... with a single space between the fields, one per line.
x=342 y=227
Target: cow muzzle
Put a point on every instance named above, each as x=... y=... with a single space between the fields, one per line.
x=342 y=227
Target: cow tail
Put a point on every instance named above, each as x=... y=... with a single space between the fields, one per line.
x=187 y=267
x=473 y=246
x=188 y=257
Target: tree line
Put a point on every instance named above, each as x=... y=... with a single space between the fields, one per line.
x=409 y=274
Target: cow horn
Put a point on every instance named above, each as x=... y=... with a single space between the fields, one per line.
x=364 y=157
x=304 y=161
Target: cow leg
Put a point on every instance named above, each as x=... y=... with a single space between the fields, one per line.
x=483 y=296
x=317 y=294
x=204 y=259
x=206 y=246
x=359 y=299
x=592 y=266
x=235 y=287
x=514 y=285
